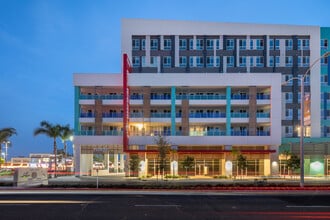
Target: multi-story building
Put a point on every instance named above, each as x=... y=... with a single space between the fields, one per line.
x=212 y=89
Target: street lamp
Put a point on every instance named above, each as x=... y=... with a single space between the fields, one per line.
x=6 y=148
x=302 y=125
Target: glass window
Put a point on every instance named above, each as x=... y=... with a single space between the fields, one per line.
x=251 y=44
x=252 y=61
x=209 y=44
x=288 y=44
x=242 y=44
x=200 y=61
x=230 y=44
x=303 y=44
x=288 y=97
x=143 y=61
x=183 y=61
x=288 y=114
x=217 y=43
x=167 y=44
x=217 y=61
x=260 y=61
x=143 y=44
x=191 y=44
x=271 y=61
x=277 y=61
x=183 y=44
x=277 y=44
x=191 y=61
x=260 y=44
x=136 y=44
x=242 y=61
x=167 y=61
x=153 y=61
x=288 y=131
x=303 y=61
x=288 y=61
x=136 y=61
x=209 y=61
x=200 y=44
x=154 y=44
x=324 y=44
x=271 y=44
x=230 y=61
x=288 y=79
x=324 y=61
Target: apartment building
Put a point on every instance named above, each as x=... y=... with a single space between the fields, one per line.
x=211 y=89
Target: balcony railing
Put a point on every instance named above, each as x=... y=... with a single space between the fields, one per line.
x=239 y=115
x=240 y=97
x=263 y=96
x=239 y=133
x=263 y=115
x=87 y=115
x=207 y=115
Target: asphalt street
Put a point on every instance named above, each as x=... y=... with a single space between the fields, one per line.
x=164 y=204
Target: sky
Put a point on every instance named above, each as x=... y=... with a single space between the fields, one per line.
x=43 y=42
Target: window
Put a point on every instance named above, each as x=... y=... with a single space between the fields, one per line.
x=217 y=44
x=183 y=44
x=324 y=44
x=143 y=44
x=271 y=61
x=324 y=61
x=153 y=61
x=271 y=44
x=242 y=44
x=230 y=44
x=217 y=61
x=251 y=44
x=277 y=61
x=230 y=61
x=288 y=61
x=167 y=61
x=191 y=44
x=288 y=131
x=288 y=97
x=288 y=79
x=288 y=114
x=209 y=44
x=154 y=44
x=303 y=44
x=136 y=44
x=209 y=61
x=242 y=61
x=183 y=61
x=252 y=62
x=143 y=61
x=303 y=61
x=260 y=44
x=260 y=61
x=288 y=44
x=200 y=44
x=191 y=61
x=136 y=61
x=167 y=44
x=277 y=44
x=200 y=61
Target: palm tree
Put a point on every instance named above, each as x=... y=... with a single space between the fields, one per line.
x=5 y=134
x=52 y=131
x=65 y=134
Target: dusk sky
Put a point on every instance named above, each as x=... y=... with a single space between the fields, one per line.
x=43 y=42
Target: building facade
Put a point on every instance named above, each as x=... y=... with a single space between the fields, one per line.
x=213 y=90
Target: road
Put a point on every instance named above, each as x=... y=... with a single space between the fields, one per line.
x=105 y=204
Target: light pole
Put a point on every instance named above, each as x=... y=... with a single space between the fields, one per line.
x=302 y=124
x=6 y=148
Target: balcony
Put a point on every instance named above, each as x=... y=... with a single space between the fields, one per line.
x=207 y=115
x=239 y=115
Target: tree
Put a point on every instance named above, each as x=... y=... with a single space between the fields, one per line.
x=188 y=162
x=134 y=163
x=241 y=163
x=286 y=154
x=5 y=134
x=293 y=163
x=65 y=134
x=163 y=149
x=52 y=131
